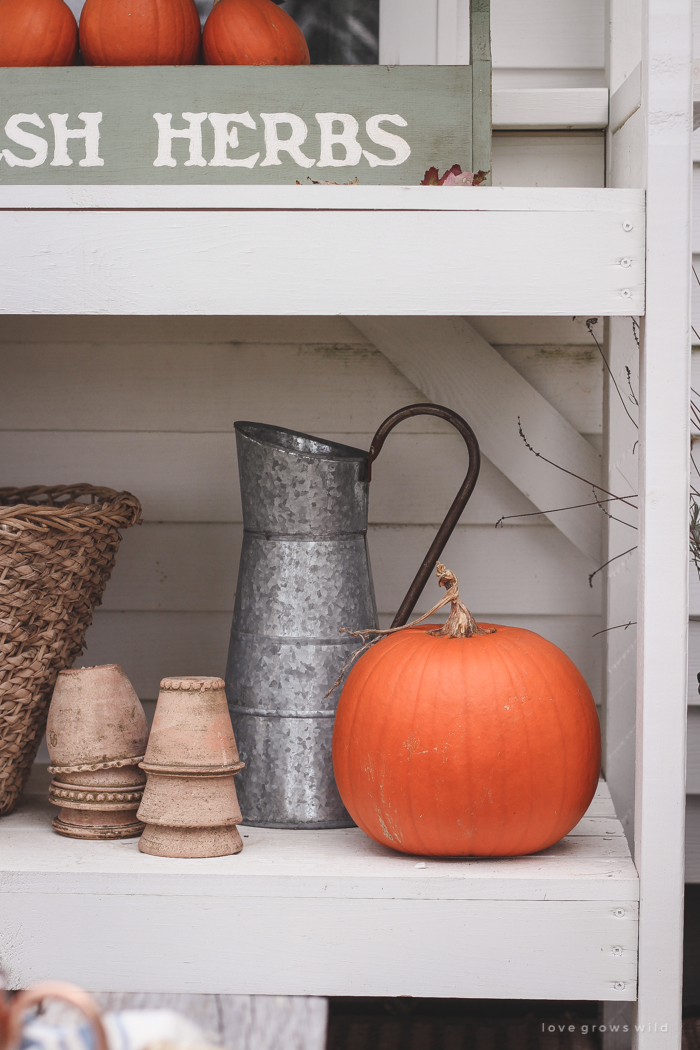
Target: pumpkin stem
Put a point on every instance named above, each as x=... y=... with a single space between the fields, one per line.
x=460 y=623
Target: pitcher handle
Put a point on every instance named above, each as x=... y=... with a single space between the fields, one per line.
x=454 y=513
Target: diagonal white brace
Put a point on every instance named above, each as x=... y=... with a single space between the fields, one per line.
x=453 y=365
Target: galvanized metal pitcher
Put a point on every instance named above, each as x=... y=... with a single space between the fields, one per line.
x=305 y=573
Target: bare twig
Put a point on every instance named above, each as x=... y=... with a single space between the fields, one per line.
x=612 y=516
x=557 y=510
x=589 y=325
x=633 y=396
x=608 y=562
x=692 y=459
x=617 y=627
x=695 y=532
x=590 y=484
x=635 y=331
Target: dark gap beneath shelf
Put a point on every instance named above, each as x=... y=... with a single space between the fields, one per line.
x=408 y=1023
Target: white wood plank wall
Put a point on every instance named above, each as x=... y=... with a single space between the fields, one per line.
x=148 y=405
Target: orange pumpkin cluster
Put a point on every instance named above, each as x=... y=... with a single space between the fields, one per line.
x=149 y=33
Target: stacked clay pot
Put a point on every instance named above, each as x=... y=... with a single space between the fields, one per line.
x=96 y=734
x=190 y=806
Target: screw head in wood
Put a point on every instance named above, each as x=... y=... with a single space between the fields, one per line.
x=627 y=226
x=619 y=913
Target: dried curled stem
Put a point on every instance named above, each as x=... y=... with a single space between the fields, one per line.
x=459 y=624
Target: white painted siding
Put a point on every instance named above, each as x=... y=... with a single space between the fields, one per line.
x=149 y=406
x=544 y=43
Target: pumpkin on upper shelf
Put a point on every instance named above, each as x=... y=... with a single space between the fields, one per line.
x=37 y=33
x=471 y=740
x=253 y=33
x=140 y=33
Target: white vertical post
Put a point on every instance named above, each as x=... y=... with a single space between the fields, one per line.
x=408 y=32
x=620 y=642
x=424 y=32
x=662 y=611
x=453 y=33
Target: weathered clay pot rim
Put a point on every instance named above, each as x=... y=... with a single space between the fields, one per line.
x=192 y=771
x=203 y=847
x=191 y=683
x=81 y=831
x=94 y=767
x=199 y=826
x=138 y=785
x=90 y=667
x=77 y=796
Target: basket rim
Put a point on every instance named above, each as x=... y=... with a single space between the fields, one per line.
x=119 y=509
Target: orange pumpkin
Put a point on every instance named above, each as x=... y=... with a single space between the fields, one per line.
x=253 y=33
x=482 y=741
x=140 y=33
x=37 y=33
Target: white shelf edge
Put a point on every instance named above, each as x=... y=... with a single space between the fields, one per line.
x=318 y=198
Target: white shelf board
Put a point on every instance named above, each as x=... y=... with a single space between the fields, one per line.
x=321 y=913
x=352 y=250
x=540 y=109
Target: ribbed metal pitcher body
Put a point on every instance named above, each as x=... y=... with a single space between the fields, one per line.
x=304 y=573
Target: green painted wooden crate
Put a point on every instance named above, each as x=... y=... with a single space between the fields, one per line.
x=379 y=125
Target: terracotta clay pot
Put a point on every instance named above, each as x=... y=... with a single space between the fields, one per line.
x=190 y=801
x=96 y=734
x=190 y=843
x=192 y=729
x=189 y=805
x=190 y=816
x=99 y=804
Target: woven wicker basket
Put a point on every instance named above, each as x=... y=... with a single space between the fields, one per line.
x=57 y=550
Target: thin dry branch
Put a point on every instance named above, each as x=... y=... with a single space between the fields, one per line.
x=557 y=510
x=589 y=325
x=617 y=627
x=609 y=562
x=591 y=484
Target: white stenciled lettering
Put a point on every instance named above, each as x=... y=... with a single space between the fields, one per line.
x=347 y=139
x=25 y=138
x=166 y=134
x=90 y=134
x=402 y=150
x=274 y=145
x=226 y=137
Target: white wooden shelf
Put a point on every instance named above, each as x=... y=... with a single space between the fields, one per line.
x=400 y=250
x=540 y=109
x=321 y=913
